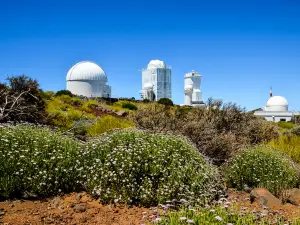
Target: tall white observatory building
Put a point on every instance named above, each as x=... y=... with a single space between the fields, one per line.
x=156 y=81
x=192 y=92
x=88 y=79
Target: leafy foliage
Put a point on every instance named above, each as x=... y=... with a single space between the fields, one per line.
x=63 y=92
x=129 y=105
x=38 y=161
x=107 y=123
x=289 y=145
x=219 y=130
x=21 y=100
x=165 y=101
x=143 y=168
x=262 y=167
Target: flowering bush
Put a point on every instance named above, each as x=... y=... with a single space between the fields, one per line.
x=37 y=161
x=142 y=168
x=262 y=167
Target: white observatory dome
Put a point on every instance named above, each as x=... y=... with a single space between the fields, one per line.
x=86 y=70
x=154 y=64
x=277 y=104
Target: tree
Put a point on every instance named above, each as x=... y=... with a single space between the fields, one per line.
x=64 y=92
x=165 y=101
x=21 y=100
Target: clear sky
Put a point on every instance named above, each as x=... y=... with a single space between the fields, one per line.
x=241 y=48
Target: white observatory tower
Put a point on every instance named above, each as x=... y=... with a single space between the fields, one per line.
x=192 y=92
x=156 y=81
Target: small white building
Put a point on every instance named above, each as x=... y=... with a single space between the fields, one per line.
x=88 y=79
x=156 y=81
x=276 y=109
x=192 y=92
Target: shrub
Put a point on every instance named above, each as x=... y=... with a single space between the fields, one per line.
x=129 y=106
x=142 y=168
x=107 y=123
x=63 y=92
x=165 y=101
x=22 y=100
x=146 y=100
x=218 y=131
x=286 y=125
x=89 y=105
x=295 y=131
x=288 y=144
x=38 y=161
x=261 y=167
x=215 y=216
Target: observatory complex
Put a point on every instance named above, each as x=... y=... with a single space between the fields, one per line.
x=88 y=79
x=156 y=81
x=192 y=92
x=276 y=110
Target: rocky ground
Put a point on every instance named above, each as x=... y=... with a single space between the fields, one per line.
x=80 y=208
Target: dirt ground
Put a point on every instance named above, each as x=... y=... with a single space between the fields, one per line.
x=76 y=208
x=80 y=208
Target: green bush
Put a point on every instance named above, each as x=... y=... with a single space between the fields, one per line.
x=129 y=105
x=262 y=167
x=289 y=145
x=107 y=123
x=38 y=161
x=165 y=101
x=286 y=125
x=142 y=168
x=216 y=216
x=63 y=92
x=295 y=131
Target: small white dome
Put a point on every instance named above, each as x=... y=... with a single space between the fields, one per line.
x=277 y=103
x=86 y=70
x=154 y=64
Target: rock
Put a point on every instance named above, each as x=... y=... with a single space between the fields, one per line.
x=79 y=208
x=264 y=198
x=122 y=113
x=78 y=197
x=56 y=202
x=293 y=196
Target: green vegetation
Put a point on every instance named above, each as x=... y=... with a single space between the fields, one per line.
x=289 y=145
x=165 y=101
x=286 y=125
x=143 y=168
x=38 y=161
x=64 y=111
x=216 y=216
x=63 y=92
x=262 y=167
x=219 y=131
x=107 y=123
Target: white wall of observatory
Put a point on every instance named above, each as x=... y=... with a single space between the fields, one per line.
x=160 y=79
x=89 y=88
x=192 y=92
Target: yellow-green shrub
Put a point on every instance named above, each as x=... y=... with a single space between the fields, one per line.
x=286 y=125
x=107 y=123
x=289 y=144
x=87 y=106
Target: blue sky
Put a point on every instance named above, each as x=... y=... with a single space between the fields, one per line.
x=241 y=48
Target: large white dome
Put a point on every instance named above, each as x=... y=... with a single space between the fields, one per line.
x=154 y=64
x=277 y=103
x=86 y=70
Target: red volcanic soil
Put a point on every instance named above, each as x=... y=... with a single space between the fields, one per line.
x=76 y=208
x=81 y=208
